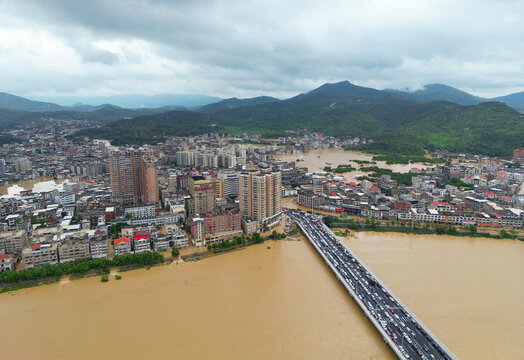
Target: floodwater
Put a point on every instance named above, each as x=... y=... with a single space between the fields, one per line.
x=256 y=303
x=316 y=160
x=277 y=303
x=468 y=291
x=37 y=185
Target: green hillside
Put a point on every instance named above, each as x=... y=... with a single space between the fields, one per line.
x=235 y=103
x=441 y=92
x=152 y=128
x=397 y=124
x=13 y=102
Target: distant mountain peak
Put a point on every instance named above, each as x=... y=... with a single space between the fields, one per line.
x=14 y=102
x=436 y=91
x=347 y=89
x=233 y=103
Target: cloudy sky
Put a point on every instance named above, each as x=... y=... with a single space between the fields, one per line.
x=249 y=48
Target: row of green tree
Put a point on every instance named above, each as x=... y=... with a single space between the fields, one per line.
x=456 y=182
x=403 y=227
x=340 y=169
x=241 y=240
x=80 y=267
x=400 y=178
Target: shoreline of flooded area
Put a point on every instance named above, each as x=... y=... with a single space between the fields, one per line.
x=316 y=160
x=41 y=184
x=281 y=302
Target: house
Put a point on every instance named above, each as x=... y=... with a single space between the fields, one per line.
x=142 y=243
x=122 y=246
x=40 y=255
x=6 y=262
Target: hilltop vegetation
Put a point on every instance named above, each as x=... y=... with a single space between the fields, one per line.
x=401 y=128
x=152 y=129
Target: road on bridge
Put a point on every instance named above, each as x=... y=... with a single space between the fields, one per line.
x=405 y=334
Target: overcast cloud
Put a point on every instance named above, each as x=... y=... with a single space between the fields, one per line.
x=249 y=48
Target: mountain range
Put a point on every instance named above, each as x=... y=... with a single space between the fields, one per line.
x=210 y=104
x=166 y=101
x=399 y=121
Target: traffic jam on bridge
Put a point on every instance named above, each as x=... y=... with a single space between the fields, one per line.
x=404 y=331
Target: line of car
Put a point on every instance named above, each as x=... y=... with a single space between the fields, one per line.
x=409 y=337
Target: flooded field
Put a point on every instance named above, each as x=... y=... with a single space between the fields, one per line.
x=316 y=160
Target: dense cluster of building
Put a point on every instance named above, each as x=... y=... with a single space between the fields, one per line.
x=122 y=200
x=487 y=195
x=200 y=190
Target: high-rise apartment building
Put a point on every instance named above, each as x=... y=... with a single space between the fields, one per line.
x=260 y=195
x=133 y=176
x=230 y=183
x=151 y=183
x=22 y=165
x=185 y=158
x=203 y=195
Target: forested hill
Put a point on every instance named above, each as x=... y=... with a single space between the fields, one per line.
x=153 y=128
x=14 y=102
x=395 y=123
x=236 y=103
x=441 y=92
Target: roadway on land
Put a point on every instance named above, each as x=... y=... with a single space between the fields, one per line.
x=404 y=333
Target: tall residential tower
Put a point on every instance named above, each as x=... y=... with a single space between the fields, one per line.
x=260 y=196
x=133 y=175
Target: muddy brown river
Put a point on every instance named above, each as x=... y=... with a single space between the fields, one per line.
x=277 y=303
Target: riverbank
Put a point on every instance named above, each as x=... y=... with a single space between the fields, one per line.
x=427 y=229
x=23 y=279
x=235 y=244
x=285 y=295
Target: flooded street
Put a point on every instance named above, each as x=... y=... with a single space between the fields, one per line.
x=316 y=160
x=279 y=303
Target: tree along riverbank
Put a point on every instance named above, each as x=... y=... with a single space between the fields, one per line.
x=13 y=280
x=236 y=243
x=426 y=229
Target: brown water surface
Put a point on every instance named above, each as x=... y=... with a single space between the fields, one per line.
x=316 y=160
x=468 y=291
x=29 y=185
x=256 y=303
x=277 y=303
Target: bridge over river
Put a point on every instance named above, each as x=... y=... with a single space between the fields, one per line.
x=407 y=336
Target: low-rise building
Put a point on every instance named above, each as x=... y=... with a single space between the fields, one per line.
x=122 y=246
x=13 y=242
x=6 y=262
x=40 y=255
x=73 y=249
x=161 y=243
x=212 y=229
x=308 y=199
x=99 y=246
x=180 y=239
x=142 y=243
x=250 y=226
x=141 y=212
